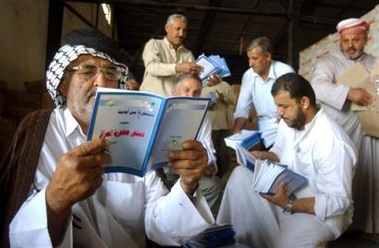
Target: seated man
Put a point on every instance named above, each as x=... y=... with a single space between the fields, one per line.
x=312 y=145
x=210 y=183
x=131 y=82
x=71 y=202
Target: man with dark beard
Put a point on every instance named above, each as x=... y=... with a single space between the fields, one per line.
x=311 y=144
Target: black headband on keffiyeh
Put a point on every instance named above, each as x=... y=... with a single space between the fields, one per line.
x=79 y=42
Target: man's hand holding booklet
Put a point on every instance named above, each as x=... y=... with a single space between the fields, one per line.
x=267 y=174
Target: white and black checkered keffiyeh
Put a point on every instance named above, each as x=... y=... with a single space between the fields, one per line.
x=65 y=55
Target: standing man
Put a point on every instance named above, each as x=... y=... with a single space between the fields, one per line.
x=313 y=145
x=336 y=100
x=70 y=201
x=218 y=114
x=164 y=58
x=255 y=89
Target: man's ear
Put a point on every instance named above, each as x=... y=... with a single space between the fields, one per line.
x=305 y=102
x=268 y=55
x=63 y=88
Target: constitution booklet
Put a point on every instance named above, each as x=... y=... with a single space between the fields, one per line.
x=245 y=157
x=268 y=176
x=213 y=64
x=143 y=127
x=246 y=138
x=215 y=236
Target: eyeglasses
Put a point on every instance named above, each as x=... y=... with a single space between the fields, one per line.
x=90 y=72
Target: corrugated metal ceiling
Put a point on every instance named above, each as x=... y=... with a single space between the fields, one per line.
x=224 y=27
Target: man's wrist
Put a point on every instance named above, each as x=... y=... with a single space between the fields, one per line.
x=289 y=206
x=190 y=193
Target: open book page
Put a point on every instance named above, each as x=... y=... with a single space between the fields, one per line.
x=131 y=120
x=181 y=121
x=128 y=121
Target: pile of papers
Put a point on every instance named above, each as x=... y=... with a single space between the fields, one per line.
x=213 y=64
x=246 y=158
x=268 y=176
x=214 y=237
x=246 y=138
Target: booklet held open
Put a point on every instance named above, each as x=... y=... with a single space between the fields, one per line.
x=143 y=127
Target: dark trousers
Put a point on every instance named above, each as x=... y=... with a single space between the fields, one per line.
x=222 y=151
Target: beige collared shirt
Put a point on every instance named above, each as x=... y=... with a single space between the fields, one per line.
x=160 y=59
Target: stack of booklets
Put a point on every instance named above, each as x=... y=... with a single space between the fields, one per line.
x=245 y=157
x=268 y=176
x=214 y=237
x=246 y=138
x=213 y=64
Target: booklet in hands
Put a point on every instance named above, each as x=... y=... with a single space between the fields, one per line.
x=268 y=175
x=246 y=138
x=216 y=236
x=213 y=64
x=143 y=127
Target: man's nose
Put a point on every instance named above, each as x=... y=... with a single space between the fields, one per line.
x=100 y=80
x=279 y=111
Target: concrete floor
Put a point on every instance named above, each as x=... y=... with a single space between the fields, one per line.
x=355 y=240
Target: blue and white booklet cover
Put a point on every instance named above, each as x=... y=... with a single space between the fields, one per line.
x=246 y=138
x=268 y=175
x=245 y=157
x=213 y=64
x=143 y=127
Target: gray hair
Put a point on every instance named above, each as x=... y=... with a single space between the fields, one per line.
x=263 y=43
x=181 y=77
x=171 y=18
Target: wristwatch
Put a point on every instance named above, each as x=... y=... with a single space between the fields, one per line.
x=288 y=208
